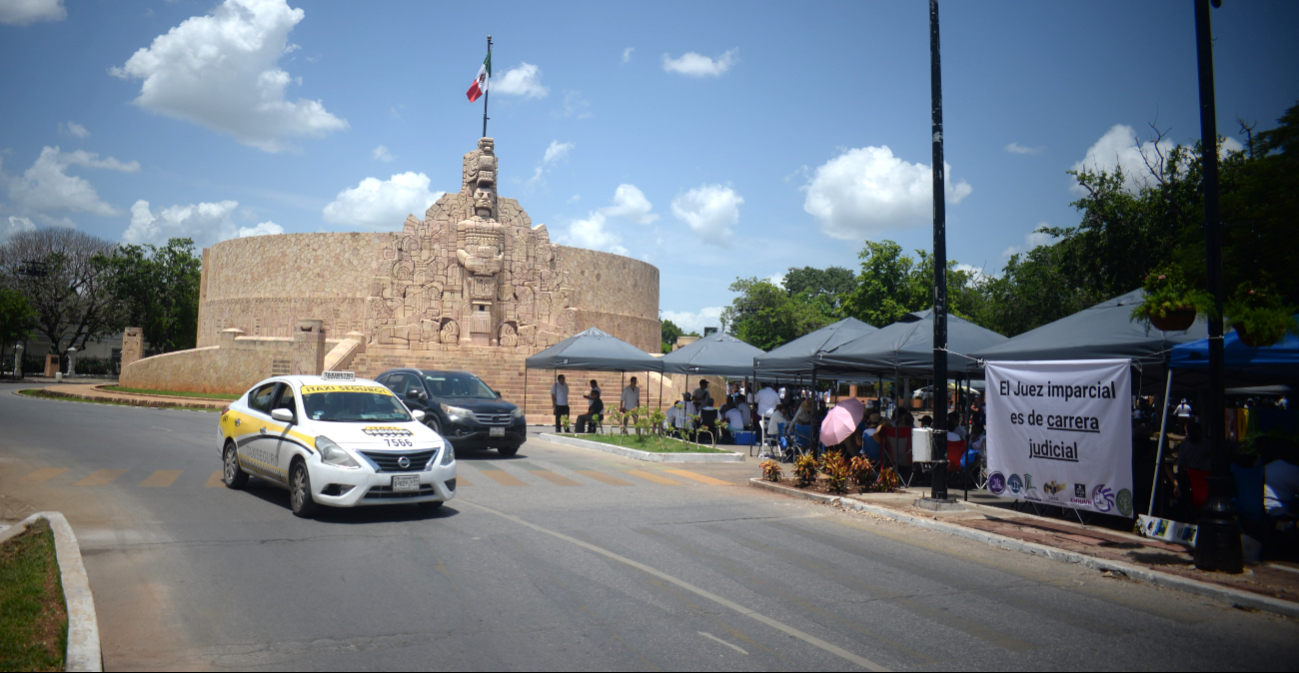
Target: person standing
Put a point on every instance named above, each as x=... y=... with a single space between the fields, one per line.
x=701 y=397
x=559 y=400
x=629 y=401
x=767 y=400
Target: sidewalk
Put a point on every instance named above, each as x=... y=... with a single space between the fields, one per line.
x=1277 y=582
x=93 y=392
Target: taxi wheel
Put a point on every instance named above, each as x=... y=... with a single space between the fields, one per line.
x=300 y=491
x=233 y=475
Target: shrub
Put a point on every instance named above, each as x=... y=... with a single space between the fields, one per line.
x=888 y=481
x=1167 y=291
x=836 y=473
x=862 y=472
x=1260 y=316
x=771 y=470
x=805 y=469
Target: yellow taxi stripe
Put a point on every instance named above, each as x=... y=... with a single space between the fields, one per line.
x=161 y=478
x=100 y=478
x=699 y=477
x=44 y=474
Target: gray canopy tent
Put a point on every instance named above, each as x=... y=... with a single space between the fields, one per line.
x=798 y=358
x=906 y=348
x=593 y=350
x=718 y=354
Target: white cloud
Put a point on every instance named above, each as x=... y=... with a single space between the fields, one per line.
x=977 y=275
x=575 y=106
x=205 y=223
x=45 y=189
x=1120 y=148
x=382 y=205
x=219 y=71
x=381 y=153
x=630 y=203
x=590 y=233
x=16 y=225
x=710 y=316
x=777 y=279
x=692 y=64
x=73 y=129
x=626 y=54
x=1016 y=148
x=524 y=80
x=710 y=210
x=576 y=198
x=865 y=191
x=555 y=152
x=25 y=12
x=264 y=229
x=1033 y=239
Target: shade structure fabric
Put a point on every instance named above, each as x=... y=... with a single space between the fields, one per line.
x=798 y=357
x=718 y=354
x=907 y=348
x=1278 y=363
x=595 y=350
x=1103 y=331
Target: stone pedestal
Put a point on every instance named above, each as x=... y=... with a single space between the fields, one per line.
x=309 y=347
x=51 y=365
x=132 y=345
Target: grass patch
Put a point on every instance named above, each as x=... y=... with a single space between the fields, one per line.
x=172 y=393
x=33 y=619
x=43 y=394
x=651 y=444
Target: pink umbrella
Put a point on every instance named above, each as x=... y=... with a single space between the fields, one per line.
x=854 y=407
x=837 y=426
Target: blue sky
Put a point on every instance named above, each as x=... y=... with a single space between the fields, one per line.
x=713 y=140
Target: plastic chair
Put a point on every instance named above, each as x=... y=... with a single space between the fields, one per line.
x=1199 y=486
x=955 y=455
x=802 y=438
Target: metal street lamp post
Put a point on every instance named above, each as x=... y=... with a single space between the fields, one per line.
x=1217 y=542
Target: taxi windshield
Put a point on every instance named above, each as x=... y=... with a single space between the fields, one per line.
x=351 y=406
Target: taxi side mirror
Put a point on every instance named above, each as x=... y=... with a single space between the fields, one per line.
x=418 y=415
x=282 y=415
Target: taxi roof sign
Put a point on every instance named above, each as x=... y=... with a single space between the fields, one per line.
x=339 y=376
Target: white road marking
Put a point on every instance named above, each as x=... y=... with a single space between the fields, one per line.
x=753 y=614
x=710 y=636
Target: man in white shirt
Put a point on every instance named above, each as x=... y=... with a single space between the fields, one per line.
x=767 y=401
x=734 y=419
x=559 y=400
x=629 y=401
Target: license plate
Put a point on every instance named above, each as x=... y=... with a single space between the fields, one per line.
x=496 y=432
x=405 y=482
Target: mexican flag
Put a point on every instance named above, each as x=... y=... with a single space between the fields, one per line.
x=479 y=87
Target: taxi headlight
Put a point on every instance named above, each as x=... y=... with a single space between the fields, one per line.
x=448 y=454
x=333 y=454
x=456 y=412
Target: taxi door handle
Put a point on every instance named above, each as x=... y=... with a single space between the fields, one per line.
x=263 y=430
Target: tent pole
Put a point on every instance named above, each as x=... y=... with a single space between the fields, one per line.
x=525 y=395
x=1159 y=454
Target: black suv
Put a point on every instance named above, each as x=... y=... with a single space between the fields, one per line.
x=460 y=408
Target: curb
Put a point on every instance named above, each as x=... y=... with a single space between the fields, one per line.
x=1235 y=596
x=83 y=652
x=155 y=402
x=729 y=457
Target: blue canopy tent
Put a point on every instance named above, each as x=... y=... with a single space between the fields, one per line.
x=1278 y=363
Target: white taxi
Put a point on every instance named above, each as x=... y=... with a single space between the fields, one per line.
x=335 y=440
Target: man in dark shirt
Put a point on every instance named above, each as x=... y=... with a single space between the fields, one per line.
x=586 y=422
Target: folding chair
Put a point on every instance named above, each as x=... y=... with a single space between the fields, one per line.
x=707 y=424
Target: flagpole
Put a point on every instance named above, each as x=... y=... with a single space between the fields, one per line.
x=488 y=92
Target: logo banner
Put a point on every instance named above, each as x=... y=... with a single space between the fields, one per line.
x=1060 y=433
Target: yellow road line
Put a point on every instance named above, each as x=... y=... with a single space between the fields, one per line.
x=699 y=477
x=100 y=478
x=161 y=478
x=44 y=474
x=604 y=478
x=650 y=476
x=555 y=478
x=215 y=480
x=504 y=478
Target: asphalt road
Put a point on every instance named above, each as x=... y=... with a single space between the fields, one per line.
x=563 y=559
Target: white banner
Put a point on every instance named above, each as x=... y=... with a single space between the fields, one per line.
x=1060 y=433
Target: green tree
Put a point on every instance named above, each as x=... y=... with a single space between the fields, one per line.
x=892 y=284
x=158 y=289
x=16 y=319
x=670 y=333
x=767 y=316
x=831 y=286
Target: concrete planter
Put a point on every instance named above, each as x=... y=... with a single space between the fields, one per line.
x=648 y=456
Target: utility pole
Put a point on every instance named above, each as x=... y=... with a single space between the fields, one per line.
x=1217 y=542
x=939 y=491
x=487 y=94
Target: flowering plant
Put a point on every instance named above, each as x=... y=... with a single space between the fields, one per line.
x=1167 y=292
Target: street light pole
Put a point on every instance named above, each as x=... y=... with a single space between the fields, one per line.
x=939 y=443
x=1217 y=542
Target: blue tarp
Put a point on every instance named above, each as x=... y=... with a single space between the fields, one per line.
x=1278 y=363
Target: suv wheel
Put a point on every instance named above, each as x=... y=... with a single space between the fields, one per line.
x=507 y=451
x=233 y=475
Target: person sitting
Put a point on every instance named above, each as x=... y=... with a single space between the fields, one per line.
x=954 y=425
x=734 y=418
x=775 y=420
x=746 y=411
x=679 y=415
x=806 y=411
x=1281 y=483
x=926 y=421
x=586 y=422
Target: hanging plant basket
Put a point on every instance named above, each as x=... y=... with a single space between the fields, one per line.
x=1178 y=320
x=1244 y=336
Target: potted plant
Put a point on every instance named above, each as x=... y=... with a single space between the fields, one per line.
x=1260 y=316
x=1171 y=304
